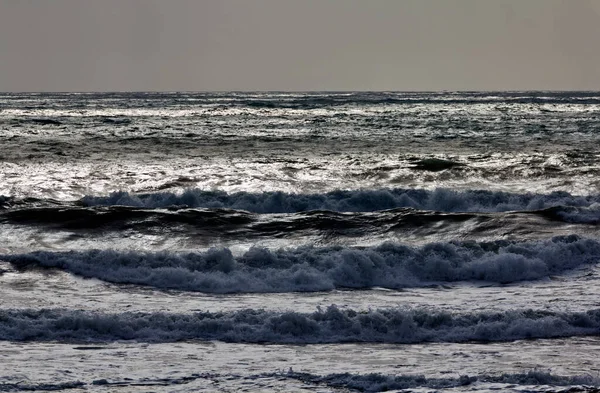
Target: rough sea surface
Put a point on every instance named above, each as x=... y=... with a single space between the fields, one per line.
x=300 y=242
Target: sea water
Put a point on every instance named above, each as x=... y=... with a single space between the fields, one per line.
x=310 y=242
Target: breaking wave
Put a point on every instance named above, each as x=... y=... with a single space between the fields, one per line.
x=309 y=268
x=361 y=382
x=444 y=200
x=332 y=325
x=381 y=383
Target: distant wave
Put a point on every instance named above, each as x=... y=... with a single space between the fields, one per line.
x=382 y=383
x=332 y=325
x=389 y=265
x=312 y=100
x=303 y=99
x=350 y=201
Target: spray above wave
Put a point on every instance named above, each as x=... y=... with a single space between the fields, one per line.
x=349 y=201
x=389 y=265
x=331 y=325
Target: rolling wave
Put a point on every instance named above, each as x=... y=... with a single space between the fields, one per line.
x=332 y=325
x=308 y=268
x=122 y=217
x=10 y=202
x=443 y=200
x=382 y=383
x=238 y=223
x=193 y=226
x=44 y=387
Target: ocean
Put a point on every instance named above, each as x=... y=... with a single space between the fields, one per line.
x=300 y=242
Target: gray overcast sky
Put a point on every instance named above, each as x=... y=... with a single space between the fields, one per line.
x=120 y=45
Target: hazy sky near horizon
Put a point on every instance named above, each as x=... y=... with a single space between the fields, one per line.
x=200 y=45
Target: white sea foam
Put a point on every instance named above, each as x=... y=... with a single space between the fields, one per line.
x=331 y=325
x=308 y=268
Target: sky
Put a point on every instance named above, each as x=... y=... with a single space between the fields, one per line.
x=299 y=45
